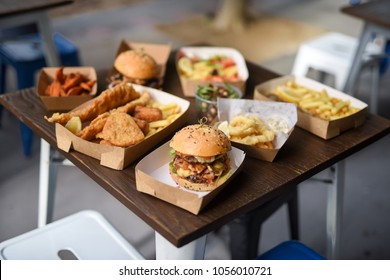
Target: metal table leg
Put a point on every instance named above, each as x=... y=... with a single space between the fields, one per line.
x=334 y=212
x=47 y=185
x=47 y=174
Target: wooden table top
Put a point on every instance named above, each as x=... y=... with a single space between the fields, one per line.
x=302 y=156
x=13 y=7
x=377 y=12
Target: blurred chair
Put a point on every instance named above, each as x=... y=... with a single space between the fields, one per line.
x=244 y=232
x=21 y=49
x=332 y=54
x=291 y=250
x=86 y=235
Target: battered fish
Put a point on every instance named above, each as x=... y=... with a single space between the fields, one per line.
x=90 y=131
x=107 y=100
x=130 y=107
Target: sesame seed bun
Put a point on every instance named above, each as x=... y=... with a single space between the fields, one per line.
x=136 y=64
x=200 y=140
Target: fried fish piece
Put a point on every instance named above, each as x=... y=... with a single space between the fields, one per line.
x=90 y=131
x=121 y=130
x=107 y=100
x=105 y=142
x=130 y=107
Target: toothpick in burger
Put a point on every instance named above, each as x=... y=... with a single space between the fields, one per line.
x=136 y=66
x=200 y=157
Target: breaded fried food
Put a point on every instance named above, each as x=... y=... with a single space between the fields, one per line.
x=121 y=130
x=143 y=125
x=148 y=114
x=107 y=100
x=105 y=142
x=90 y=131
x=130 y=107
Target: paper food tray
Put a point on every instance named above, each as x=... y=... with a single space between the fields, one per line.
x=323 y=128
x=189 y=86
x=265 y=111
x=118 y=157
x=153 y=178
x=64 y=103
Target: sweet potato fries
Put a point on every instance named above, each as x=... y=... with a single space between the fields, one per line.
x=69 y=84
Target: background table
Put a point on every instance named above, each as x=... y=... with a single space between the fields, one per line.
x=303 y=156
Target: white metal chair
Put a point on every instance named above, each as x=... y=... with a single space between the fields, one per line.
x=333 y=54
x=86 y=235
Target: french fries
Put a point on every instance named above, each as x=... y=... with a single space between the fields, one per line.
x=170 y=112
x=167 y=109
x=316 y=103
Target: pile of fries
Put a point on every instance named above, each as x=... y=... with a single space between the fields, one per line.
x=69 y=84
x=170 y=111
x=248 y=130
x=120 y=116
x=316 y=103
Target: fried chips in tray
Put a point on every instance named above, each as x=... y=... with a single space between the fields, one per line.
x=112 y=129
x=322 y=110
x=259 y=128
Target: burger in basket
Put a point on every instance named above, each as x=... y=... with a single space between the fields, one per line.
x=135 y=66
x=200 y=160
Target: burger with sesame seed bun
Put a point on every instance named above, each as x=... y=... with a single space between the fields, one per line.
x=200 y=160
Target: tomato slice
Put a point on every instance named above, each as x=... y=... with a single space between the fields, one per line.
x=227 y=62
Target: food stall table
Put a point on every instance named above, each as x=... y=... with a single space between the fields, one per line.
x=181 y=234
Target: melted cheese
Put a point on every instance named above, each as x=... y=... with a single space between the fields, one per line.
x=183 y=172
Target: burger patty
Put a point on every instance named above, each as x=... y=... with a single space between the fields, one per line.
x=191 y=169
x=118 y=78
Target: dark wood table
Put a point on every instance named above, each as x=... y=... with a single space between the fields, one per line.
x=303 y=156
x=376 y=22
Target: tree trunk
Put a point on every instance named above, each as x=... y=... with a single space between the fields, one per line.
x=231 y=15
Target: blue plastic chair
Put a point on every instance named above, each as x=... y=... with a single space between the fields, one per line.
x=26 y=56
x=291 y=250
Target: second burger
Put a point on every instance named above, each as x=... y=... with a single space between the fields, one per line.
x=136 y=66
